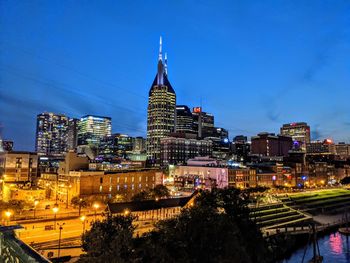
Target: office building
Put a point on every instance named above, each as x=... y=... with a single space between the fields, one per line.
x=72 y=135
x=51 y=134
x=342 y=150
x=184 y=119
x=240 y=148
x=139 y=145
x=269 y=144
x=321 y=147
x=203 y=122
x=299 y=131
x=179 y=147
x=161 y=111
x=92 y=129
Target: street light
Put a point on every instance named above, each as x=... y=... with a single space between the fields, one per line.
x=80 y=200
x=68 y=187
x=36 y=202
x=96 y=206
x=8 y=214
x=55 y=210
x=83 y=218
x=59 y=239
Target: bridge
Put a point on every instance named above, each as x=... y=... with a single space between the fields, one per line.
x=298 y=230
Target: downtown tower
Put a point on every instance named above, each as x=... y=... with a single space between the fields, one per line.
x=161 y=111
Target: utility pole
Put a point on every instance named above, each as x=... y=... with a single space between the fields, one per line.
x=59 y=239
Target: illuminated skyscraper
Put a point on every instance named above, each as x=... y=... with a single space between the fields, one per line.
x=91 y=130
x=72 y=138
x=161 y=111
x=51 y=134
x=299 y=131
x=184 y=119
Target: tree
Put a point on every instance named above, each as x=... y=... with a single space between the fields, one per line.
x=345 y=180
x=217 y=228
x=160 y=191
x=109 y=240
x=76 y=201
x=141 y=196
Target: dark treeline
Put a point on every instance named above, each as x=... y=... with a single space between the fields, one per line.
x=216 y=228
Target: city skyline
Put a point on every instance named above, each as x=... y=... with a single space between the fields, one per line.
x=214 y=66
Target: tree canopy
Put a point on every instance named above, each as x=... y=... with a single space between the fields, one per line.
x=216 y=228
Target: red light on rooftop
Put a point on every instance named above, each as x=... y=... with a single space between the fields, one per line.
x=197 y=109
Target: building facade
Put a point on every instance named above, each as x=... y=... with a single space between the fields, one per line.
x=72 y=135
x=92 y=129
x=18 y=167
x=178 y=148
x=321 y=147
x=51 y=134
x=184 y=119
x=299 y=131
x=269 y=144
x=240 y=148
x=203 y=122
x=161 y=111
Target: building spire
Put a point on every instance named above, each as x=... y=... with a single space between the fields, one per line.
x=166 y=64
x=160 y=56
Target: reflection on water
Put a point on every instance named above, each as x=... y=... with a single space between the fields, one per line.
x=333 y=247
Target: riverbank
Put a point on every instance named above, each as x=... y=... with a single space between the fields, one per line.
x=296 y=242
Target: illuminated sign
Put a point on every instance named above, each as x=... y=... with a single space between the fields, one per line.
x=197 y=109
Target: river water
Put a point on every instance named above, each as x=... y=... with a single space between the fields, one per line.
x=335 y=248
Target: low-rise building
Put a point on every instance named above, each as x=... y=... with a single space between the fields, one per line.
x=242 y=177
x=200 y=177
x=18 y=167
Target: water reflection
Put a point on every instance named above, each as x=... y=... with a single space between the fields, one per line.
x=333 y=247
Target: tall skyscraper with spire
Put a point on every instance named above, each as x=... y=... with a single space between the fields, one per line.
x=161 y=111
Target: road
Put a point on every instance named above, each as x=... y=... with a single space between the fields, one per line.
x=45 y=241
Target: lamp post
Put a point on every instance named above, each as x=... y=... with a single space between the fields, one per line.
x=8 y=214
x=80 y=200
x=96 y=206
x=83 y=218
x=55 y=210
x=36 y=202
x=68 y=187
x=59 y=239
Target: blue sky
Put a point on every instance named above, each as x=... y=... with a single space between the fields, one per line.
x=254 y=64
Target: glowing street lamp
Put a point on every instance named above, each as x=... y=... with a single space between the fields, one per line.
x=68 y=188
x=96 y=206
x=8 y=214
x=55 y=211
x=126 y=212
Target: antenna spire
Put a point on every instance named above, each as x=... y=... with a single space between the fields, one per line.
x=166 y=64
x=160 y=56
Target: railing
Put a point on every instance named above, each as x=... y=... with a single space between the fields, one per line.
x=13 y=250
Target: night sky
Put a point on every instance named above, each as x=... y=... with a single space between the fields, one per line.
x=254 y=64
